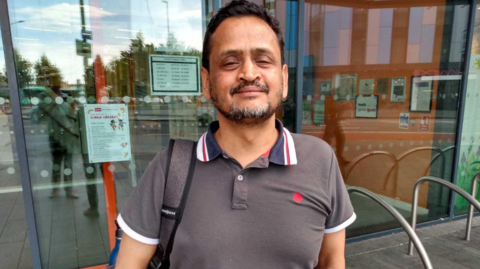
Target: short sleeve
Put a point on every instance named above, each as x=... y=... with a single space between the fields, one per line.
x=141 y=215
x=341 y=214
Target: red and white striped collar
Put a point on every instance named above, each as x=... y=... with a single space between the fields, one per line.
x=282 y=153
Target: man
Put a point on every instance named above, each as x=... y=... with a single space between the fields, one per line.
x=260 y=197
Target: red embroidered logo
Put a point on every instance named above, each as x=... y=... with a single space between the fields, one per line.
x=297 y=197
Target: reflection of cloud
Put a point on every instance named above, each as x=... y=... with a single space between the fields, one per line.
x=191 y=14
x=59 y=17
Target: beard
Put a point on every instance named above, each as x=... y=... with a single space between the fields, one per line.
x=247 y=115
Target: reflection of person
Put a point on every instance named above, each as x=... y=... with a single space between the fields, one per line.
x=254 y=180
x=63 y=136
x=333 y=128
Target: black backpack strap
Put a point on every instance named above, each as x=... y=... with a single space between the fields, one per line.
x=182 y=154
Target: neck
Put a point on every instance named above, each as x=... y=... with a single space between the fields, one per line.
x=246 y=143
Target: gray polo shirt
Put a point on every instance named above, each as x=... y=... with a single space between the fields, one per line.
x=271 y=214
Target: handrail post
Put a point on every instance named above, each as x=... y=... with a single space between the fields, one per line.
x=440 y=181
x=403 y=222
x=470 y=207
x=416 y=190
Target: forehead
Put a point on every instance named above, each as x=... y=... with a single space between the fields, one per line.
x=244 y=33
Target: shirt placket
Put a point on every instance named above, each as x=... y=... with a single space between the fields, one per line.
x=240 y=191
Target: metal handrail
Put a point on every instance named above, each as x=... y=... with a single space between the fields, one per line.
x=365 y=155
x=410 y=232
x=470 y=207
x=440 y=181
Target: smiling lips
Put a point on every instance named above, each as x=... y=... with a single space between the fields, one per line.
x=250 y=89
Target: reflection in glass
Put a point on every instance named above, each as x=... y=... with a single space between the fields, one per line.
x=98 y=52
x=469 y=162
x=407 y=57
x=13 y=226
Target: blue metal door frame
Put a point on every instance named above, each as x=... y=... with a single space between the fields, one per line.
x=19 y=133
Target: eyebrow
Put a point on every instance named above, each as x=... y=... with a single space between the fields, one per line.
x=253 y=51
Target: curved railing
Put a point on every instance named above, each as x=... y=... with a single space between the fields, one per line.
x=365 y=155
x=440 y=181
x=410 y=232
x=470 y=207
x=396 y=161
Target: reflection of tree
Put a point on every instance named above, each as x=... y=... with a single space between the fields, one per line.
x=3 y=79
x=173 y=44
x=46 y=71
x=128 y=74
x=24 y=72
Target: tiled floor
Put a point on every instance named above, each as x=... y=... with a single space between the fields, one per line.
x=444 y=244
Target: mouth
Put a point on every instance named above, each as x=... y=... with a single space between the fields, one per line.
x=251 y=89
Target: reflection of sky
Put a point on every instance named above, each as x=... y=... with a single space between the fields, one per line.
x=51 y=28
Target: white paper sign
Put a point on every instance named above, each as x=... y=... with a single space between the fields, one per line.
x=421 y=98
x=397 y=94
x=174 y=75
x=404 y=121
x=366 y=106
x=366 y=86
x=108 y=133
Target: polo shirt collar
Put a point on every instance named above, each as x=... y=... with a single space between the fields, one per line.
x=282 y=153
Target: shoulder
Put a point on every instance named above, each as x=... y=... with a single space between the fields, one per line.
x=312 y=146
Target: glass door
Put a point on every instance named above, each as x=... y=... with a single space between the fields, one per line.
x=108 y=84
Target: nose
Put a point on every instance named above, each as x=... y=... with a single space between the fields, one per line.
x=248 y=72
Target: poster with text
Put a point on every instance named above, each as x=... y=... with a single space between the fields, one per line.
x=421 y=95
x=319 y=112
x=366 y=86
x=345 y=87
x=424 y=123
x=397 y=94
x=307 y=112
x=382 y=86
x=366 y=106
x=108 y=133
x=326 y=88
x=404 y=121
x=174 y=75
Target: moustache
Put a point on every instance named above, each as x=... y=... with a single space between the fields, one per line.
x=245 y=84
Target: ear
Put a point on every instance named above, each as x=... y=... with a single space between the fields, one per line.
x=205 y=82
x=285 y=81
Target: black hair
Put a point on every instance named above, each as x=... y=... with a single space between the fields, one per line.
x=240 y=8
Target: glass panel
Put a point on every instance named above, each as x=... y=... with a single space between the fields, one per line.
x=469 y=163
x=117 y=78
x=14 y=242
x=381 y=86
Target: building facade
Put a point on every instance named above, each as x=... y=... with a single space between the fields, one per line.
x=91 y=90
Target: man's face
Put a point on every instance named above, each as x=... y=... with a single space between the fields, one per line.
x=246 y=80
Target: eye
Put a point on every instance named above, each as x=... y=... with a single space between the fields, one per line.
x=230 y=62
x=264 y=61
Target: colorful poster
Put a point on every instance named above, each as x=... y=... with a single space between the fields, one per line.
x=421 y=95
x=424 y=123
x=397 y=94
x=404 y=121
x=108 y=133
x=319 y=113
x=366 y=106
x=366 y=86
x=326 y=88
x=345 y=87
x=382 y=86
x=174 y=75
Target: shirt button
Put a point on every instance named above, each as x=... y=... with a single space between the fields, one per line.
x=240 y=178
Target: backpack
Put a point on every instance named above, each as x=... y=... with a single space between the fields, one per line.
x=177 y=185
